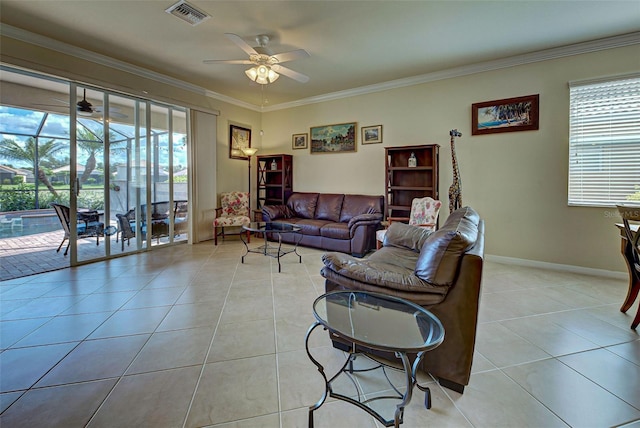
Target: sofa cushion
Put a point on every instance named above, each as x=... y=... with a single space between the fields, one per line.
x=310 y=226
x=354 y=205
x=303 y=204
x=405 y=236
x=442 y=250
x=329 y=206
x=335 y=230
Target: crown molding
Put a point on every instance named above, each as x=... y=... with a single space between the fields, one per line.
x=65 y=48
x=543 y=55
x=513 y=61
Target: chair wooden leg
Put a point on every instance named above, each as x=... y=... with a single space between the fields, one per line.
x=636 y=320
x=215 y=235
x=248 y=237
x=632 y=294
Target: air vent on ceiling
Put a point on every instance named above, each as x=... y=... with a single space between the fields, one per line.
x=188 y=13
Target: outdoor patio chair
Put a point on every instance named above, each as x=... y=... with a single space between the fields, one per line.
x=87 y=226
x=126 y=226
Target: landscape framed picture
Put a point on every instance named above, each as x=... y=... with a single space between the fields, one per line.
x=507 y=115
x=371 y=134
x=300 y=141
x=338 y=138
x=239 y=138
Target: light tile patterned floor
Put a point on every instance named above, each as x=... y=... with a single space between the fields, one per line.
x=189 y=336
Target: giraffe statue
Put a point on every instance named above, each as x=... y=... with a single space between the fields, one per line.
x=455 y=191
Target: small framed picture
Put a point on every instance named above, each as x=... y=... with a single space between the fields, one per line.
x=371 y=134
x=300 y=141
x=239 y=138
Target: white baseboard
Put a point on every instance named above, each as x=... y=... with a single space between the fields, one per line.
x=557 y=267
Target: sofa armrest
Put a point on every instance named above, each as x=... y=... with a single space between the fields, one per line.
x=274 y=212
x=364 y=220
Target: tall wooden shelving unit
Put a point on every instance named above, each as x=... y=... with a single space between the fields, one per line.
x=405 y=183
x=274 y=184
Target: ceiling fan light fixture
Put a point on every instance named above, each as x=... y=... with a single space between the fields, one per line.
x=84 y=113
x=262 y=74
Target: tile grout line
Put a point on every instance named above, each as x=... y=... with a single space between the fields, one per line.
x=213 y=336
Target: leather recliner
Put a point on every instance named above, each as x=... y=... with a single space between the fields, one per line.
x=441 y=271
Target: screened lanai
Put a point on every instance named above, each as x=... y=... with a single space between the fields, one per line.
x=117 y=158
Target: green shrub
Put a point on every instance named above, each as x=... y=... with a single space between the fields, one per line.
x=17 y=199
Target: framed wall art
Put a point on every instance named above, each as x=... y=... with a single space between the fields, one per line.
x=371 y=134
x=300 y=141
x=508 y=115
x=239 y=138
x=336 y=138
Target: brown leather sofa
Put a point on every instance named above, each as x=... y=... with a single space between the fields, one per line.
x=334 y=222
x=440 y=271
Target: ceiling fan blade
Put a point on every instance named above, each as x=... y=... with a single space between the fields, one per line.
x=227 y=61
x=241 y=43
x=114 y=112
x=290 y=73
x=49 y=105
x=113 y=115
x=111 y=109
x=291 y=55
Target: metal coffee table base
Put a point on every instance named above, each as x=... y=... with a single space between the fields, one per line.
x=358 y=398
x=272 y=250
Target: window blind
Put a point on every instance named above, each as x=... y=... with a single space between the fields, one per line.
x=604 y=142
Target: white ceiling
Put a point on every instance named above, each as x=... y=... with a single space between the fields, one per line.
x=352 y=43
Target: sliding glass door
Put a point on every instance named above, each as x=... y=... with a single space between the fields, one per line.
x=116 y=163
x=141 y=148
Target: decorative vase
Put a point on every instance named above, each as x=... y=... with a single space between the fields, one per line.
x=274 y=165
x=413 y=162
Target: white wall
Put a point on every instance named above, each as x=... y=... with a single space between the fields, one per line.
x=517 y=181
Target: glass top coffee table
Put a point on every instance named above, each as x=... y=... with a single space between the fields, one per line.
x=272 y=230
x=381 y=322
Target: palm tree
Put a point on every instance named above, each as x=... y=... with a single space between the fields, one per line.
x=32 y=152
x=92 y=144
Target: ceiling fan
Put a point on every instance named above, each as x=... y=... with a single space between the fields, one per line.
x=86 y=109
x=266 y=64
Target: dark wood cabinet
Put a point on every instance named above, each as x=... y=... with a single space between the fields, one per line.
x=404 y=183
x=275 y=179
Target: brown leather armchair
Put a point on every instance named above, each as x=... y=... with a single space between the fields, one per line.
x=441 y=271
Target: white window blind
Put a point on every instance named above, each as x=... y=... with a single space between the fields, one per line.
x=604 y=142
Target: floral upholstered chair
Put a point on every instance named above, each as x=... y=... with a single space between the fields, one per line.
x=424 y=213
x=233 y=212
